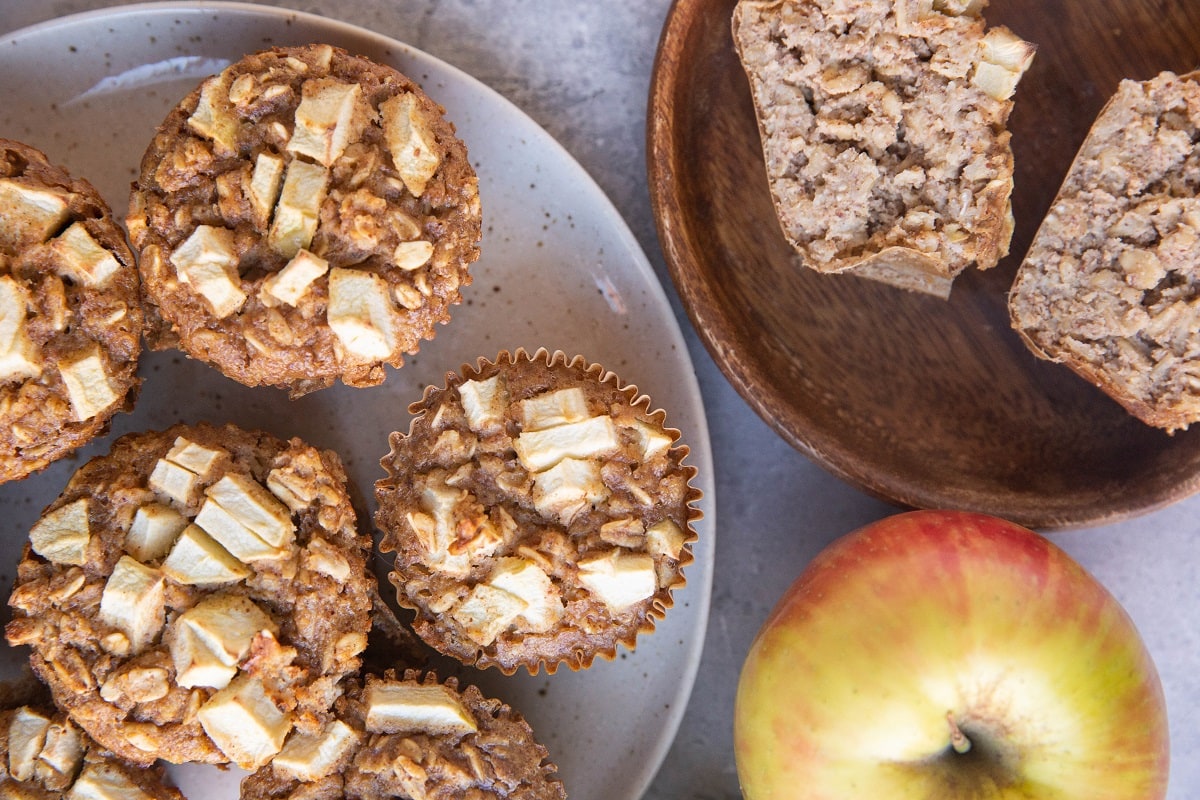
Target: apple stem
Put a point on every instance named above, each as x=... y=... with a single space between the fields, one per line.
x=958 y=739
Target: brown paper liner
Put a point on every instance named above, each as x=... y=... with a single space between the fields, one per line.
x=588 y=629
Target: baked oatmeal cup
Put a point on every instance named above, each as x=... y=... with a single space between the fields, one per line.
x=196 y=594
x=412 y=737
x=70 y=317
x=540 y=512
x=45 y=756
x=305 y=216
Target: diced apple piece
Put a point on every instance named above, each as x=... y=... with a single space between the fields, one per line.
x=62 y=536
x=83 y=259
x=230 y=533
x=298 y=209
x=29 y=215
x=619 y=579
x=174 y=481
x=197 y=560
x=652 y=440
x=133 y=603
x=264 y=186
x=290 y=489
x=291 y=283
x=18 y=355
x=244 y=723
x=63 y=750
x=104 y=781
x=155 y=528
x=487 y=611
x=568 y=488
x=255 y=507
x=321 y=556
x=26 y=737
x=208 y=261
x=193 y=456
x=360 y=313
x=411 y=143
x=665 y=538
x=310 y=758
x=213 y=117
x=589 y=438
x=195 y=662
x=394 y=707
x=325 y=120
x=551 y=409
x=527 y=581
x=483 y=402
x=88 y=385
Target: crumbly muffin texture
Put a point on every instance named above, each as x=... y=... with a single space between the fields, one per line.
x=70 y=318
x=412 y=737
x=304 y=216
x=1108 y=286
x=883 y=128
x=540 y=514
x=45 y=756
x=196 y=594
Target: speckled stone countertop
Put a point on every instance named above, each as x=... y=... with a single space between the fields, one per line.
x=582 y=71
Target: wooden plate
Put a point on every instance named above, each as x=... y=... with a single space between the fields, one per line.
x=919 y=401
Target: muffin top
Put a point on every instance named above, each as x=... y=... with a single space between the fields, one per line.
x=44 y=756
x=196 y=593
x=412 y=737
x=304 y=216
x=70 y=318
x=540 y=513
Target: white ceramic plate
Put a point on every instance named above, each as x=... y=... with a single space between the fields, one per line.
x=559 y=269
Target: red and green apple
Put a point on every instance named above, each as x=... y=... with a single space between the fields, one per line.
x=942 y=654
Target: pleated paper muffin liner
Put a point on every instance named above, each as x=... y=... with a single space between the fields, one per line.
x=540 y=511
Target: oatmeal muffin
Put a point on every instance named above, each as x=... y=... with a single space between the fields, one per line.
x=70 y=318
x=196 y=594
x=1108 y=285
x=883 y=128
x=304 y=216
x=540 y=513
x=411 y=737
x=44 y=756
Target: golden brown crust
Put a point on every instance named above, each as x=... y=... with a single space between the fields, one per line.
x=516 y=553
x=396 y=217
x=306 y=602
x=69 y=318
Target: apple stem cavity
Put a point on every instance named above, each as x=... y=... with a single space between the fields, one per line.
x=958 y=739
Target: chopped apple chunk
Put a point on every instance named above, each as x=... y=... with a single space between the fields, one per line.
x=211 y=638
x=62 y=536
x=551 y=409
x=311 y=757
x=619 y=579
x=193 y=456
x=325 y=120
x=19 y=357
x=88 y=386
x=487 y=612
x=26 y=737
x=394 y=707
x=104 y=781
x=411 y=143
x=524 y=579
x=292 y=282
x=298 y=209
x=483 y=402
x=133 y=602
x=588 y=438
x=153 y=531
x=29 y=215
x=198 y=560
x=214 y=117
x=82 y=258
x=567 y=488
x=361 y=313
x=665 y=538
x=174 y=481
x=265 y=181
x=255 y=507
x=244 y=723
x=208 y=262
x=230 y=532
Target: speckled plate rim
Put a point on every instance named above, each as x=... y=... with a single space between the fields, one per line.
x=598 y=756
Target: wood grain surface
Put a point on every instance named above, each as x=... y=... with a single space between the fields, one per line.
x=920 y=401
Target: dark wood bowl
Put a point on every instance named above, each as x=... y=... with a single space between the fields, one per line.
x=920 y=401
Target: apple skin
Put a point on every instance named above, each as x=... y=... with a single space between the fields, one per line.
x=929 y=618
